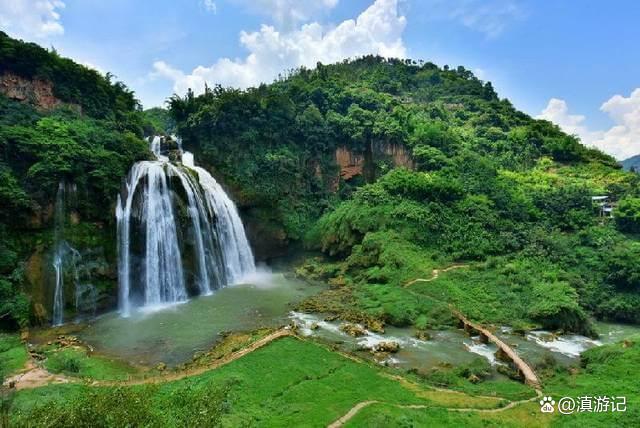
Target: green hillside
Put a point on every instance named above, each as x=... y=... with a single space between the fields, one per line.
x=88 y=139
x=486 y=186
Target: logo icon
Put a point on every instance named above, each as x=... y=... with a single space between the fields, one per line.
x=546 y=405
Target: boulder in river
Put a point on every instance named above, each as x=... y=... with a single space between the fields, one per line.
x=354 y=330
x=387 y=347
x=422 y=335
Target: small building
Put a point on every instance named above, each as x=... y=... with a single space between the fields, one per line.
x=604 y=205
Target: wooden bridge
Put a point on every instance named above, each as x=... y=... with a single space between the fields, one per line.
x=504 y=350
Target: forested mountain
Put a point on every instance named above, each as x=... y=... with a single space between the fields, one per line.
x=405 y=194
x=390 y=167
x=61 y=124
x=413 y=166
x=631 y=163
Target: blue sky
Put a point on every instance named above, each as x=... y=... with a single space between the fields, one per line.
x=573 y=62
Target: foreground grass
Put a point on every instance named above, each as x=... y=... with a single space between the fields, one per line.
x=13 y=354
x=382 y=415
x=293 y=382
x=289 y=382
x=612 y=371
x=78 y=363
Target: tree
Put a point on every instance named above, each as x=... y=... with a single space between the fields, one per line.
x=627 y=215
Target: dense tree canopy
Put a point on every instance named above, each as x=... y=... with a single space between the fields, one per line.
x=489 y=182
x=91 y=147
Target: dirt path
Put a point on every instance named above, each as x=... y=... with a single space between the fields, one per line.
x=435 y=274
x=205 y=368
x=361 y=405
x=529 y=375
x=34 y=376
x=351 y=413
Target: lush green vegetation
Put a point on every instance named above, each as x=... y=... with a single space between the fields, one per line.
x=611 y=371
x=606 y=371
x=322 y=386
x=503 y=196
x=90 y=147
x=76 y=362
x=274 y=145
x=13 y=354
x=539 y=254
x=491 y=186
x=157 y=121
x=254 y=390
x=72 y=83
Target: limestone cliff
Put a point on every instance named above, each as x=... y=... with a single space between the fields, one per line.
x=36 y=92
x=354 y=163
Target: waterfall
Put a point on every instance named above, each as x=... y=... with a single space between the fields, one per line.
x=155 y=146
x=163 y=277
x=235 y=249
x=202 y=229
x=153 y=238
x=58 y=255
x=65 y=257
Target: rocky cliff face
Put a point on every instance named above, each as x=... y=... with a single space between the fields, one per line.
x=36 y=92
x=353 y=163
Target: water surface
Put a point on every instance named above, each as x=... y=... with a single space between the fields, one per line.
x=172 y=334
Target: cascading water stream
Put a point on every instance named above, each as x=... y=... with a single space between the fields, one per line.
x=58 y=255
x=235 y=249
x=148 y=211
x=201 y=226
x=65 y=257
x=58 y=293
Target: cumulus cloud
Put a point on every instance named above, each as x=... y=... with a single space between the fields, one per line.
x=557 y=111
x=377 y=30
x=31 y=19
x=622 y=140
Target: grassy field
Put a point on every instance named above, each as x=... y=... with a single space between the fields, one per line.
x=77 y=362
x=289 y=382
x=293 y=382
x=381 y=415
x=13 y=354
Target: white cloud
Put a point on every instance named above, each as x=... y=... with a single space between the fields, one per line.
x=622 y=140
x=209 y=5
x=288 y=13
x=377 y=30
x=490 y=17
x=31 y=19
x=557 y=111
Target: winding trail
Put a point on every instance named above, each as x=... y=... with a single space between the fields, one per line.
x=34 y=376
x=435 y=273
x=530 y=377
x=204 y=368
x=361 y=405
